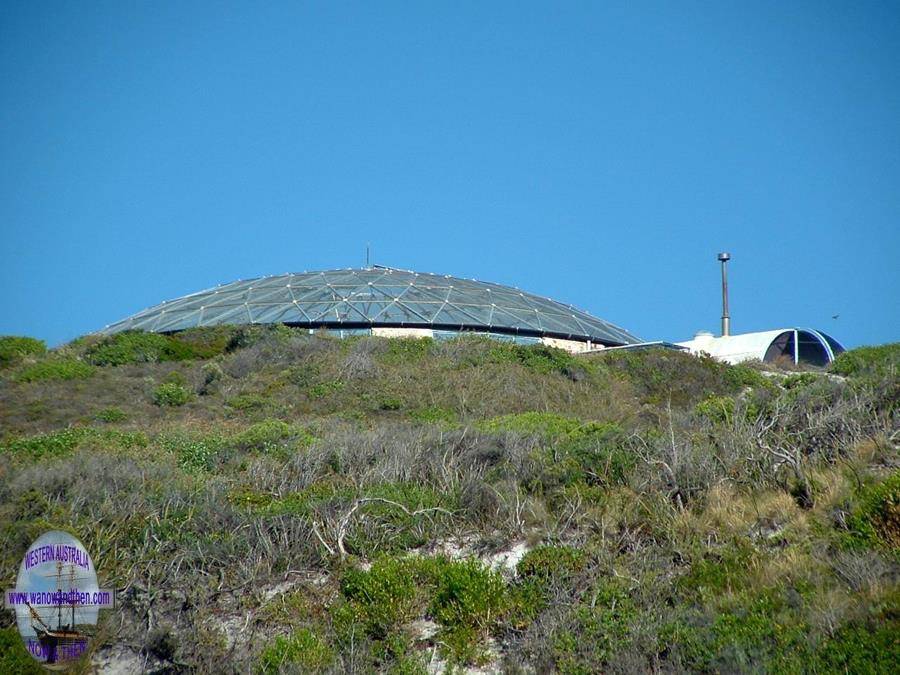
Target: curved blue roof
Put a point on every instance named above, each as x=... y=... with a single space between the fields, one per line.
x=376 y=296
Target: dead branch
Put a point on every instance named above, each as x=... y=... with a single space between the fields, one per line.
x=341 y=527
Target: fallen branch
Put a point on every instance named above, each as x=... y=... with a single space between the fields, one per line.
x=342 y=526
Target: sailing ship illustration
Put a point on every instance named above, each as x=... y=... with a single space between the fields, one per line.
x=64 y=642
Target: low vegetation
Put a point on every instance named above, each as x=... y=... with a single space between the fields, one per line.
x=268 y=501
x=56 y=369
x=14 y=349
x=881 y=360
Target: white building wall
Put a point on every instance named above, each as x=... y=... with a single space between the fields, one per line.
x=402 y=332
x=573 y=346
x=733 y=348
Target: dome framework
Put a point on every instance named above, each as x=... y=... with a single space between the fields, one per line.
x=379 y=297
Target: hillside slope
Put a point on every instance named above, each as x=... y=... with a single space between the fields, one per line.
x=269 y=501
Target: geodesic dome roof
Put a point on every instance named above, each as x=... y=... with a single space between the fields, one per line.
x=376 y=296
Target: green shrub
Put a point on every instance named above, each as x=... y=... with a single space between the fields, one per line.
x=56 y=369
x=251 y=500
x=464 y=597
x=265 y=435
x=65 y=441
x=690 y=638
x=300 y=503
x=323 y=389
x=14 y=658
x=875 y=521
x=593 y=630
x=248 y=402
x=538 y=358
x=546 y=563
x=242 y=337
x=720 y=571
x=758 y=627
x=407 y=350
x=208 y=341
x=194 y=452
x=302 y=650
x=662 y=375
x=767 y=629
x=176 y=377
x=467 y=594
x=718 y=409
x=382 y=598
x=139 y=347
x=111 y=415
x=303 y=376
x=271 y=435
x=595 y=453
x=539 y=571
x=169 y=394
x=463 y=644
x=434 y=415
x=860 y=648
x=741 y=375
x=14 y=347
x=880 y=360
x=799 y=380
x=548 y=425
x=390 y=403
x=212 y=373
x=400 y=657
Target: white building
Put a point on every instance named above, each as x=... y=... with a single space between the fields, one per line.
x=797 y=345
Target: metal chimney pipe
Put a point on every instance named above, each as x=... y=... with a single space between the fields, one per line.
x=726 y=319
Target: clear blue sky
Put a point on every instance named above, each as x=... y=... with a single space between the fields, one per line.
x=600 y=153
